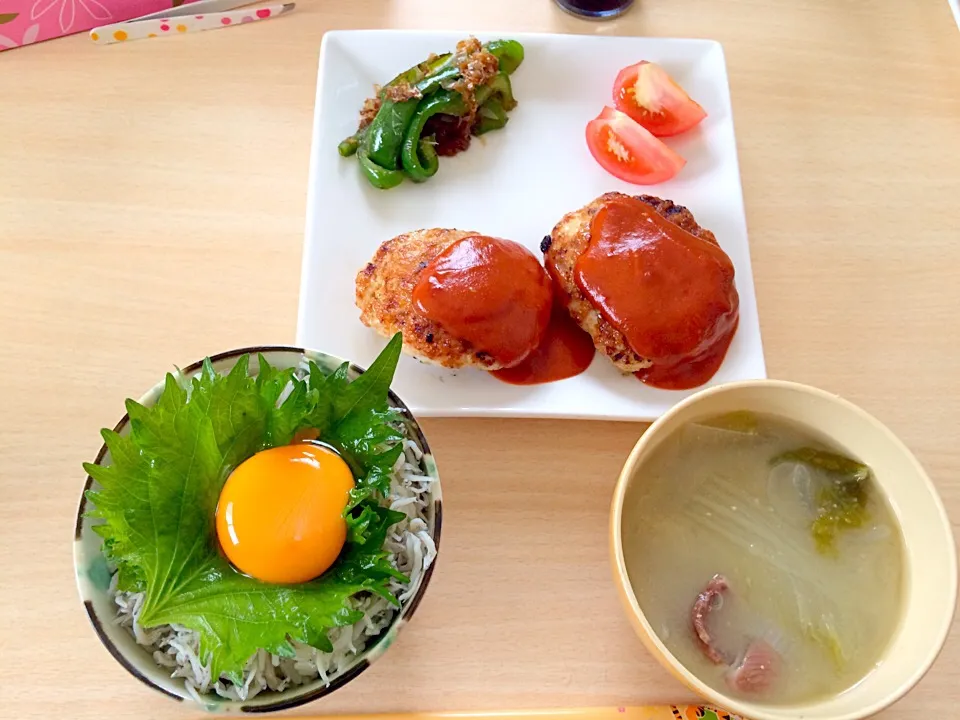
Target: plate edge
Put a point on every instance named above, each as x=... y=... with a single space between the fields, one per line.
x=310 y=219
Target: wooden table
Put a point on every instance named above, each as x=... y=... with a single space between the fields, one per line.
x=151 y=212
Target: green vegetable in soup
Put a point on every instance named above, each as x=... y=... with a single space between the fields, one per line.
x=158 y=496
x=818 y=623
x=840 y=506
x=842 y=501
x=825 y=635
x=825 y=460
x=741 y=421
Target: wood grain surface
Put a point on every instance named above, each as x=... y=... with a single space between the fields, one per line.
x=152 y=203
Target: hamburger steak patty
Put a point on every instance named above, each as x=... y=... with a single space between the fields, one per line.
x=384 y=295
x=569 y=240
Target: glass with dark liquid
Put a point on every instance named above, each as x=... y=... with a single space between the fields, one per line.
x=595 y=8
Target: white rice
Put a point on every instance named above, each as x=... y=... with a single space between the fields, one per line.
x=413 y=551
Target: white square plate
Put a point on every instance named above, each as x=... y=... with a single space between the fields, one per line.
x=514 y=183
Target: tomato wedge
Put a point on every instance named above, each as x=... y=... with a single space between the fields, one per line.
x=627 y=151
x=649 y=95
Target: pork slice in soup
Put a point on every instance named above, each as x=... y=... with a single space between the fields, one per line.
x=766 y=560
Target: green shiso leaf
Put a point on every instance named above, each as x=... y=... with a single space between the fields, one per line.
x=158 y=496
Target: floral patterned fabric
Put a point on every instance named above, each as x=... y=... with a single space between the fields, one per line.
x=23 y=22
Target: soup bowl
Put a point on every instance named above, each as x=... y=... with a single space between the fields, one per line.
x=94 y=576
x=930 y=565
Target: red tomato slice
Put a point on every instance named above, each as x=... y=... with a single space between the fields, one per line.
x=647 y=94
x=627 y=151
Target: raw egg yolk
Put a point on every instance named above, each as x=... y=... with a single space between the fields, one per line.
x=280 y=514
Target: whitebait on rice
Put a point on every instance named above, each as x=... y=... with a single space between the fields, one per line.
x=413 y=551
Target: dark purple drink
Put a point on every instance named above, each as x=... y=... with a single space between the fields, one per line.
x=595 y=8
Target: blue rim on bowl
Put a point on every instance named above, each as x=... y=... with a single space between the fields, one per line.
x=93 y=575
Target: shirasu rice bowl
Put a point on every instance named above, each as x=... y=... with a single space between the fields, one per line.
x=413 y=551
x=166 y=657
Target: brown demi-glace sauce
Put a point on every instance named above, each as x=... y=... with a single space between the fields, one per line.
x=493 y=293
x=670 y=294
x=564 y=351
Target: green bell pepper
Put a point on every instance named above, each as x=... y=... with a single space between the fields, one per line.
x=348 y=147
x=508 y=52
x=500 y=87
x=421 y=70
x=380 y=177
x=442 y=78
x=384 y=136
x=418 y=156
x=392 y=146
x=413 y=76
x=490 y=116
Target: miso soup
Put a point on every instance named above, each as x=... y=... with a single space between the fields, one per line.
x=765 y=559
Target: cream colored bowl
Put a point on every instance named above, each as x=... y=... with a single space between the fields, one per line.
x=930 y=591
